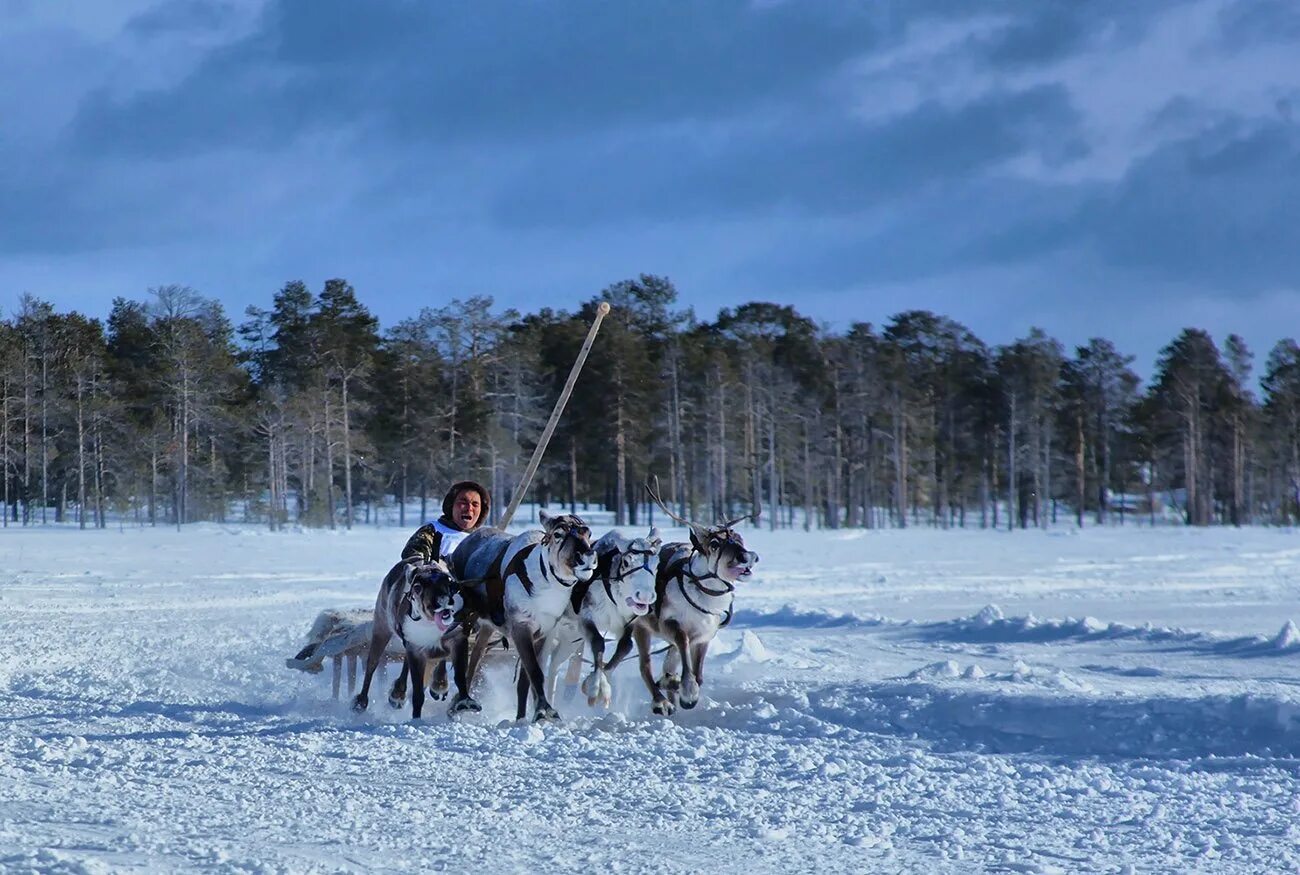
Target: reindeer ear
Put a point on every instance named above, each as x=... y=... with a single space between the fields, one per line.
x=407 y=574
x=654 y=537
x=700 y=537
x=545 y=518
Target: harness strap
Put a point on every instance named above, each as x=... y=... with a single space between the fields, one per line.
x=680 y=570
x=516 y=568
x=726 y=615
x=578 y=593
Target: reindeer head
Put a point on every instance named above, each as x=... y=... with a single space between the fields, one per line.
x=568 y=541
x=434 y=595
x=721 y=546
x=723 y=550
x=629 y=565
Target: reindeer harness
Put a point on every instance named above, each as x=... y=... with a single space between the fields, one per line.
x=517 y=567
x=680 y=571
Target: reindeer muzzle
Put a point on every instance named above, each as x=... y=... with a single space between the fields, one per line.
x=744 y=566
x=638 y=607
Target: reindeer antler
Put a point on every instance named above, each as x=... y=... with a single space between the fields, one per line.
x=744 y=516
x=654 y=496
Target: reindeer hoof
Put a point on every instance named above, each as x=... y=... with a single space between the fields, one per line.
x=360 y=703
x=690 y=694
x=464 y=704
x=597 y=688
x=438 y=695
x=663 y=708
x=547 y=714
x=670 y=683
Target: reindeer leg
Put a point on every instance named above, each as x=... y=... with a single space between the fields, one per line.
x=397 y=694
x=690 y=693
x=689 y=689
x=521 y=694
x=378 y=644
x=465 y=667
x=671 y=679
x=549 y=658
x=699 y=651
x=417 y=663
x=352 y=672
x=621 y=649
x=596 y=686
x=662 y=705
x=438 y=686
x=573 y=671
x=529 y=661
x=482 y=641
x=338 y=676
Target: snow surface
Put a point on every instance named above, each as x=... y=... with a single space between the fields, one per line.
x=1096 y=701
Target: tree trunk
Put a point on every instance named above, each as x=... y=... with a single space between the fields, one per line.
x=153 y=484
x=772 y=497
x=807 y=479
x=272 y=478
x=900 y=460
x=347 y=455
x=45 y=436
x=723 y=511
x=81 y=455
x=1013 y=479
x=4 y=451
x=1081 y=484
x=329 y=466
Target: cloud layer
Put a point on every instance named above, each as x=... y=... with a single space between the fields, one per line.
x=998 y=162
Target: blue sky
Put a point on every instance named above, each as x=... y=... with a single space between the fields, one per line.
x=1105 y=168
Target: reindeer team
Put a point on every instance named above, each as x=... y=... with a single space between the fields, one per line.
x=549 y=592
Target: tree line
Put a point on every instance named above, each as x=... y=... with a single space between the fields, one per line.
x=306 y=413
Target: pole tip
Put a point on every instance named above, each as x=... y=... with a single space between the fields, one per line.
x=603 y=309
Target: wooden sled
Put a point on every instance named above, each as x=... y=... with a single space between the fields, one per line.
x=344 y=636
x=339 y=636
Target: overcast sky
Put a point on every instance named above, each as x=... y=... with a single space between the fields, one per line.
x=1120 y=169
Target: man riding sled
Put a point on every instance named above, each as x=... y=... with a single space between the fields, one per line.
x=465 y=508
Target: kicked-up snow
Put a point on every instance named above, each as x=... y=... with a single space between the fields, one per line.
x=919 y=701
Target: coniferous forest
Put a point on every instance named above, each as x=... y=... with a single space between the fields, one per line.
x=309 y=413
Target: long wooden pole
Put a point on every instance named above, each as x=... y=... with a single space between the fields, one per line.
x=601 y=312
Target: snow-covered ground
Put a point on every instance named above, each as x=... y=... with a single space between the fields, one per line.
x=1096 y=701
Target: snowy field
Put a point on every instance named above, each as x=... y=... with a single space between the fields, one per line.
x=917 y=701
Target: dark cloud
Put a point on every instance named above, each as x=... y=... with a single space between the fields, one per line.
x=1206 y=211
x=1045 y=33
x=180 y=16
x=1247 y=24
x=1218 y=207
x=1058 y=31
x=446 y=72
x=810 y=166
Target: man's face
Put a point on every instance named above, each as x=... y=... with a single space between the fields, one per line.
x=466 y=509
